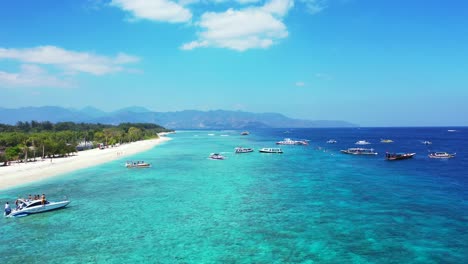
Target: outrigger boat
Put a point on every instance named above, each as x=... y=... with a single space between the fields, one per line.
x=398 y=156
x=441 y=155
x=26 y=207
x=359 y=151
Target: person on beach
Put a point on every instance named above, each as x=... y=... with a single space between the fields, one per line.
x=7 y=208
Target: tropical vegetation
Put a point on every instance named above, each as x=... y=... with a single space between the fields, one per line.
x=27 y=141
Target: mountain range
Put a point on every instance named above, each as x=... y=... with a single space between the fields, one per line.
x=187 y=119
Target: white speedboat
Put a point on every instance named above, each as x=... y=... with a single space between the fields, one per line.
x=137 y=164
x=271 y=150
x=359 y=151
x=441 y=155
x=362 y=142
x=243 y=150
x=425 y=142
x=245 y=133
x=331 y=141
x=35 y=206
x=216 y=156
x=386 y=141
x=288 y=141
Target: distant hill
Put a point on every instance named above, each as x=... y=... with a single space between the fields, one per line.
x=92 y=112
x=188 y=119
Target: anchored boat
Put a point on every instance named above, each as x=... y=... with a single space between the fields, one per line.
x=26 y=207
x=243 y=150
x=288 y=141
x=441 y=155
x=398 y=156
x=362 y=142
x=271 y=150
x=216 y=156
x=137 y=164
x=359 y=151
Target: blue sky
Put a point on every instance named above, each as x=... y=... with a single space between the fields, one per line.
x=374 y=63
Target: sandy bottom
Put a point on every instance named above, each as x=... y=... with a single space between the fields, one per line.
x=23 y=173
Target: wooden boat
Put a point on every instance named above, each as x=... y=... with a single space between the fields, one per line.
x=398 y=156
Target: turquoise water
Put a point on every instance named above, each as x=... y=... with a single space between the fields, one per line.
x=308 y=205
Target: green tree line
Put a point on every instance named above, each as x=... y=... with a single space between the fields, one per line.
x=30 y=140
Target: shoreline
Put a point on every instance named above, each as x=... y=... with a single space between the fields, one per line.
x=18 y=174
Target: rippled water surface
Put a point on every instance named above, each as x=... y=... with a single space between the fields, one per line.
x=311 y=204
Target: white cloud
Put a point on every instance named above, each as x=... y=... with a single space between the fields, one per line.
x=31 y=76
x=254 y=27
x=157 y=10
x=315 y=6
x=70 y=61
x=247 y=1
x=194 y=44
x=300 y=84
x=278 y=7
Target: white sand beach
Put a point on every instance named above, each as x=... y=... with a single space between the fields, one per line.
x=23 y=173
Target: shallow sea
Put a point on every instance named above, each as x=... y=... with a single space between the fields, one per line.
x=311 y=204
